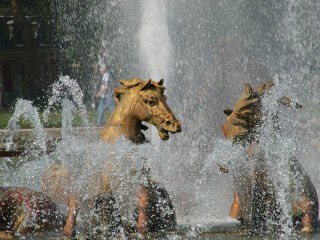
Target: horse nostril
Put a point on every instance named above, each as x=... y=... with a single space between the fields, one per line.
x=179 y=129
x=168 y=123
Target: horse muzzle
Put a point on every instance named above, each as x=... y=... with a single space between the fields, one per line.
x=171 y=125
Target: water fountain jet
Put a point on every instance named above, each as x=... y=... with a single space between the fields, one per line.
x=217 y=46
x=265 y=204
x=137 y=101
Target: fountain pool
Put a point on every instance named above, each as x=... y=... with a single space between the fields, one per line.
x=207 y=50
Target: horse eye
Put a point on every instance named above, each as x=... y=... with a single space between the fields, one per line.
x=152 y=103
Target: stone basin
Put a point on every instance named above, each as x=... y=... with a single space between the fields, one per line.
x=24 y=137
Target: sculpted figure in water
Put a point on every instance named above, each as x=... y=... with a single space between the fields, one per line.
x=136 y=101
x=24 y=211
x=254 y=201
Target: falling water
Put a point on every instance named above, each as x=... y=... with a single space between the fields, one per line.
x=67 y=115
x=66 y=88
x=217 y=46
x=26 y=171
x=155 y=46
x=280 y=138
x=26 y=110
x=277 y=142
x=84 y=157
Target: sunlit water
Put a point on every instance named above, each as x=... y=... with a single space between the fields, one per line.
x=84 y=157
x=155 y=55
x=211 y=48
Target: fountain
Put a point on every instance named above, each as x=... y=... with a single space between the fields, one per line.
x=209 y=49
x=272 y=186
x=112 y=177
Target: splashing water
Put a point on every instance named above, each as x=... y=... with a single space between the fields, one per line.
x=66 y=88
x=217 y=45
x=25 y=109
x=26 y=171
x=67 y=115
x=276 y=155
x=84 y=158
x=277 y=140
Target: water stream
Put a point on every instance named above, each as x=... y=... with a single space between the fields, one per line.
x=205 y=51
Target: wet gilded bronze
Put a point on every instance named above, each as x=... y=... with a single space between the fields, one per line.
x=137 y=101
x=241 y=127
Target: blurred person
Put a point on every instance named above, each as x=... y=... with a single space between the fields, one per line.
x=105 y=94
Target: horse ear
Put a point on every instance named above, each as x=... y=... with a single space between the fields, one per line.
x=227 y=111
x=160 y=82
x=145 y=85
x=247 y=93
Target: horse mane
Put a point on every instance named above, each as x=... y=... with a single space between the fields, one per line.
x=135 y=82
x=246 y=114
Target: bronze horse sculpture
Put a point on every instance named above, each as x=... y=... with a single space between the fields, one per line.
x=24 y=211
x=136 y=101
x=29 y=211
x=241 y=127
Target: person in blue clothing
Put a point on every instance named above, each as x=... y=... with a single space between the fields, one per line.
x=105 y=94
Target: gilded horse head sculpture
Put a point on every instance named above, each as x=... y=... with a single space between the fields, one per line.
x=241 y=127
x=247 y=115
x=136 y=101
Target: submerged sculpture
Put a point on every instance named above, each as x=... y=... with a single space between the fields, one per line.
x=136 y=101
x=255 y=202
x=25 y=211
